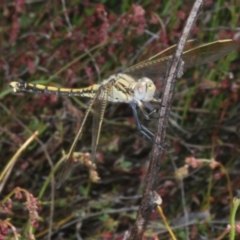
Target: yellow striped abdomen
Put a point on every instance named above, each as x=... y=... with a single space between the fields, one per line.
x=38 y=88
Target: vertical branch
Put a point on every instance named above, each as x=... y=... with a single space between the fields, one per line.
x=147 y=203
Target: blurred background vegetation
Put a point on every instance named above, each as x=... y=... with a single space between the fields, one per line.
x=78 y=43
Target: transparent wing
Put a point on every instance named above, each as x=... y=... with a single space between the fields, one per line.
x=68 y=162
x=156 y=66
x=98 y=105
x=172 y=49
x=98 y=113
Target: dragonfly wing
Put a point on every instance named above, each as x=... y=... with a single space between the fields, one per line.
x=155 y=67
x=172 y=49
x=98 y=113
x=68 y=162
x=208 y=53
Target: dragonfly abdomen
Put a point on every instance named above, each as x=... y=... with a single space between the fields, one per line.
x=38 y=88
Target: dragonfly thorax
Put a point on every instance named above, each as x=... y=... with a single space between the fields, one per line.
x=125 y=88
x=144 y=89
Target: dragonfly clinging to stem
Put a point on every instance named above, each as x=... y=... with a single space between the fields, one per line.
x=135 y=85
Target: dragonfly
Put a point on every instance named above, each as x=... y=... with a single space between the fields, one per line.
x=135 y=86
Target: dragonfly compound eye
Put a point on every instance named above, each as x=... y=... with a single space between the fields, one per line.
x=144 y=89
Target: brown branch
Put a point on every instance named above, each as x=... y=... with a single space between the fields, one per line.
x=148 y=203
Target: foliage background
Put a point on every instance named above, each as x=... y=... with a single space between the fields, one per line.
x=50 y=42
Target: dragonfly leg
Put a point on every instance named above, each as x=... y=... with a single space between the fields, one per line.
x=149 y=106
x=142 y=104
x=149 y=115
x=144 y=130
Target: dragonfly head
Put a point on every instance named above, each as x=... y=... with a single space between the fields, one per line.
x=144 y=89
